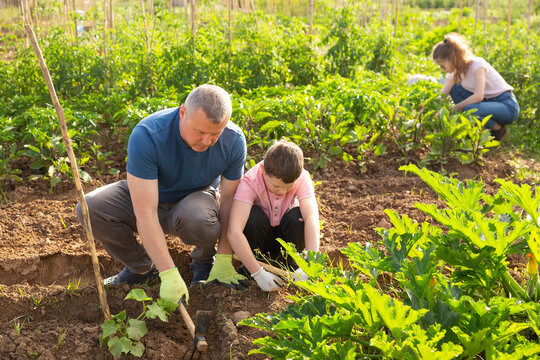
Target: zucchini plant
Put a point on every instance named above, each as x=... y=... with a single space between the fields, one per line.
x=440 y=289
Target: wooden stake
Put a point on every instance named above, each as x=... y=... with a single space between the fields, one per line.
x=255 y=14
x=529 y=26
x=229 y=60
x=192 y=5
x=310 y=19
x=150 y=7
x=35 y=6
x=485 y=20
x=111 y=21
x=460 y=15
x=508 y=22
x=475 y=19
x=148 y=50
x=24 y=17
x=105 y=34
x=74 y=168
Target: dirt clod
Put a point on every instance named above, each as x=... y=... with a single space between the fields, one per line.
x=239 y=316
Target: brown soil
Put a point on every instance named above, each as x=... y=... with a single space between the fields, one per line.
x=44 y=251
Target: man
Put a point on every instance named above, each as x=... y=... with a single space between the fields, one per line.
x=176 y=160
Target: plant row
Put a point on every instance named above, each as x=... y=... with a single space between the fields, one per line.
x=441 y=289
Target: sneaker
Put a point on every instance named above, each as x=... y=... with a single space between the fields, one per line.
x=500 y=134
x=129 y=277
x=200 y=272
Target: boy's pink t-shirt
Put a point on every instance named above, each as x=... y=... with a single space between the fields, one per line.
x=252 y=189
x=495 y=84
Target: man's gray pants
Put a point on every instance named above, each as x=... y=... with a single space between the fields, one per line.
x=194 y=219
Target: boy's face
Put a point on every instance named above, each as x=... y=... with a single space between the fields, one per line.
x=276 y=185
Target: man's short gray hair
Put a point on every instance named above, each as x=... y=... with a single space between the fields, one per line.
x=214 y=101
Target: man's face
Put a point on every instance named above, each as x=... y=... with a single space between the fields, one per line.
x=199 y=132
x=276 y=185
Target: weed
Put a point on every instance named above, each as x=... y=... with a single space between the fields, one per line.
x=54 y=302
x=350 y=228
x=20 y=291
x=17 y=325
x=37 y=302
x=72 y=286
x=62 y=221
x=61 y=336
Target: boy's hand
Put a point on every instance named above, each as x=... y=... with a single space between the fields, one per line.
x=223 y=271
x=173 y=287
x=267 y=281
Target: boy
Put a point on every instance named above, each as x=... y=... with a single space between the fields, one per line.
x=274 y=199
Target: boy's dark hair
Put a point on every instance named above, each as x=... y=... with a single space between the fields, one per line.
x=284 y=160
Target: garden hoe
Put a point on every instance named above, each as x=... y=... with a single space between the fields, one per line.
x=197 y=330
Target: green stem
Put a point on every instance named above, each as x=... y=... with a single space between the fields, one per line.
x=513 y=287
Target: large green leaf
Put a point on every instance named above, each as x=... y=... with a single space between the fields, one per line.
x=118 y=346
x=138 y=294
x=136 y=329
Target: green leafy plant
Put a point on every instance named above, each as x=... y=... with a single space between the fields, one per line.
x=438 y=289
x=123 y=335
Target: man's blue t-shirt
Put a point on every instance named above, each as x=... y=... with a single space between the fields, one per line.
x=156 y=151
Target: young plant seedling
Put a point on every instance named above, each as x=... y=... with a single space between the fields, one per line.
x=72 y=286
x=61 y=336
x=122 y=334
x=37 y=302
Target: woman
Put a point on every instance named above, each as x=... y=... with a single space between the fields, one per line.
x=474 y=84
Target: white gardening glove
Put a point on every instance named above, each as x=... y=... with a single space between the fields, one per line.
x=300 y=275
x=267 y=281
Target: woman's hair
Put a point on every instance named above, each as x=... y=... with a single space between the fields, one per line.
x=284 y=160
x=455 y=49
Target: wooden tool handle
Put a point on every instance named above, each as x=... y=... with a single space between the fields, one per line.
x=268 y=267
x=202 y=345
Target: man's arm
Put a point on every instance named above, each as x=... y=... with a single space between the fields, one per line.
x=228 y=189
x=310 y=214
x=145 y=198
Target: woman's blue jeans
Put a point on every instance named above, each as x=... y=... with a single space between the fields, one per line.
x=503 y=109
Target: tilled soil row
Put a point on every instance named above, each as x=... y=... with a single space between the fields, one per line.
x=49 y=308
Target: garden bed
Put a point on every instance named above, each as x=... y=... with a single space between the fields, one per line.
x=50 y=307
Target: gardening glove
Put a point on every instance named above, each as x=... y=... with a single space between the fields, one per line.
x=173 y=287
x=300 y=275
x=267 y=281
x=223 y=271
